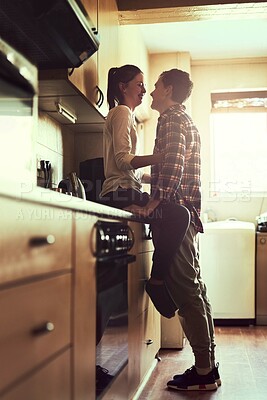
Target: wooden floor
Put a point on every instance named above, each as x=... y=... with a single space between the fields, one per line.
x=242 y=354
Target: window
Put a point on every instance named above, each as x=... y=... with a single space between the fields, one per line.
x=239 y=136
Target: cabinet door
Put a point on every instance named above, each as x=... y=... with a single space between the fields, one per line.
x=139 y=273
x=91 y=77
x=85 y=78
x=91 y=9
x=52 y=382
x=35 y=240
x=144 y=320
x=84 y=308
x=144 y=344
x=150 y=338
x=26 y=341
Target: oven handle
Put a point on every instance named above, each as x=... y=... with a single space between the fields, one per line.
x=118 y=260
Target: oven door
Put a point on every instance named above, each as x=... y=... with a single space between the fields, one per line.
x=113 y=243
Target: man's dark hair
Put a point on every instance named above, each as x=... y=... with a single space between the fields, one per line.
x=180 y=82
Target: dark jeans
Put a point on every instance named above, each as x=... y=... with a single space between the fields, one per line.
x=122 y=198
x=169 y=223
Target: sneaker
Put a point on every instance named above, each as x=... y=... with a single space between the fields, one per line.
x=161 y=299
x=215 y=374
x=103 y=378
x=190 y=380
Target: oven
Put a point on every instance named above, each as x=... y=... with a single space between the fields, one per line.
x=18 y=114
x=114 y=240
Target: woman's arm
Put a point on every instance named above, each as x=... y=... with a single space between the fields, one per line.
x=144 y=161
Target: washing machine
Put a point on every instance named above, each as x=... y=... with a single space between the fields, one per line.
x=227 y=261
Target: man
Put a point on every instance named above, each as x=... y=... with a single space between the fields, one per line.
x=177 y=180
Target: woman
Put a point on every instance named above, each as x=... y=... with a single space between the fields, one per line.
x=122 y=164
x=124 y=177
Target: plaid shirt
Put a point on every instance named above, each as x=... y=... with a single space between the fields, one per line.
x=177 y=179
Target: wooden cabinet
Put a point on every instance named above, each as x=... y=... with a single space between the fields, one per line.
x=91 y=7
x=48 y=306
x=35 y=240
x=84 y=333
x=33 y=330
x=91 y=77
x=82 y=91
x=144 y=320
x=51 y=382
x=35 y=301
x=47 y=303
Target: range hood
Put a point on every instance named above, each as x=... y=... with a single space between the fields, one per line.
x=50 y=33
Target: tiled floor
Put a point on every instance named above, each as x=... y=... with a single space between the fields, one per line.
x=242 y=354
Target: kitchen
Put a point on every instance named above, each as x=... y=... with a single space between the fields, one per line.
x=65 y=144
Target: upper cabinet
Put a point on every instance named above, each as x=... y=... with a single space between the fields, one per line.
x=85 y=88
x=95 y=71
x=91 y=7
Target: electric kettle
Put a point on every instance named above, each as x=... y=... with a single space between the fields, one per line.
x=73 y=185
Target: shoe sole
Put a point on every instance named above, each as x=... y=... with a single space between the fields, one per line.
x=205 y=388
x=217 y=381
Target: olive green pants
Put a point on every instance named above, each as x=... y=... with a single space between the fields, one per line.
x=190 y=295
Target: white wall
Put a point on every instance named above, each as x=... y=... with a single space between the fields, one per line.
x=133 y=51
x=54 y=143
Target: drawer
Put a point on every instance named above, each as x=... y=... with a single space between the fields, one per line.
x=24 y=310
x=35 y=240
x=52 y=382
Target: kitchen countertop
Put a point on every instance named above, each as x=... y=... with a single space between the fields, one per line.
x=39 y=195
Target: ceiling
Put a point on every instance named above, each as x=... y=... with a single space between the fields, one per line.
x=204 y=29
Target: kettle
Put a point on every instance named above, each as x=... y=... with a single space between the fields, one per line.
x=74 y=185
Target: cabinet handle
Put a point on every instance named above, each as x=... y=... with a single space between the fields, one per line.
x=94 y=30
x=149 y=341
x=42 y=240
x=101 y=97
x=47 y=327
